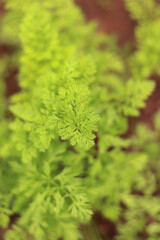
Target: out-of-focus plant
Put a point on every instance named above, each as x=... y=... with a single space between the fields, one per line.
x=141 y=216
x=146 y=59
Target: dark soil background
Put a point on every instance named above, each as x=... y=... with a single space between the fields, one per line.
x=113 y=18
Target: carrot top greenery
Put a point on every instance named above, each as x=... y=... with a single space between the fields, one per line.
x=61 y=152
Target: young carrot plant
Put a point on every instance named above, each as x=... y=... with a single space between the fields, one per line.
x=62 y=155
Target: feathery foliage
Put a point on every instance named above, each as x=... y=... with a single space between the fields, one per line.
x=62 y=155
x=142 y=213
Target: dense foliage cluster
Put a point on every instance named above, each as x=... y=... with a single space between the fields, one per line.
x=62 y=156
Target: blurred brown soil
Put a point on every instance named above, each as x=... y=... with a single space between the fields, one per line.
x=113 y=19
x=111 y=16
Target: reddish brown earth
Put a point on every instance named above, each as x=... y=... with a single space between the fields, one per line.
x=113 y=19
x=111 y=16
